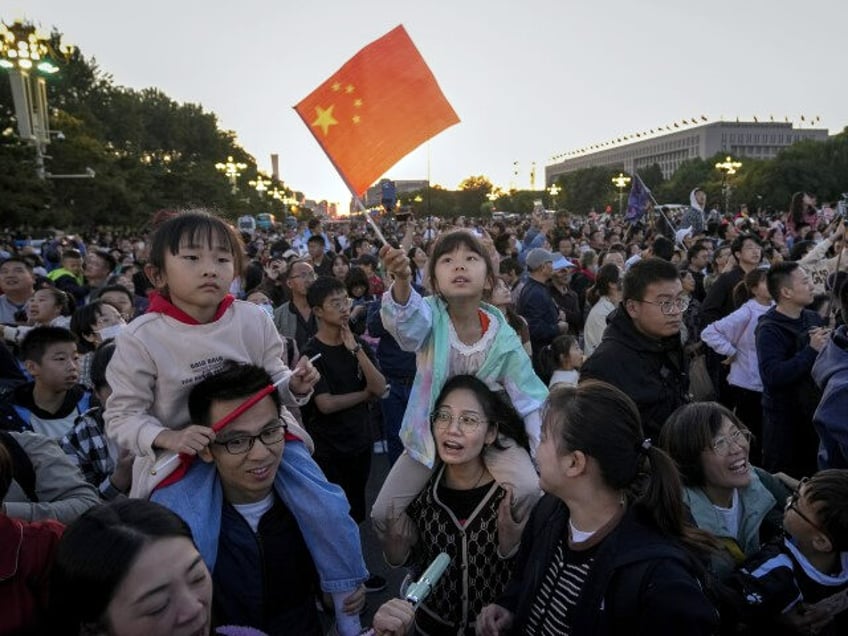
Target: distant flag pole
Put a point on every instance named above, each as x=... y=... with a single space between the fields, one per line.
x=378 y=107
x=638 y=200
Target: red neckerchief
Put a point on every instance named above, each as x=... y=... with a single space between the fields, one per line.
x=159 y=304
x=484 y=320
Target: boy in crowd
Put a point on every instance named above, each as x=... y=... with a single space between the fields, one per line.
x=801 y=584
x=788 y=338
x=54 y=399
x=337 y=415
x=103 y=465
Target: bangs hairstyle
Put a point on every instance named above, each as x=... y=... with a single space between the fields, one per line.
x=451 y=241
x=496 y=409
x=689 y=431
x=195 y=227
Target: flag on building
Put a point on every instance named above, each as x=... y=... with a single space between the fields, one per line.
x=639 y=200
x=382 y=104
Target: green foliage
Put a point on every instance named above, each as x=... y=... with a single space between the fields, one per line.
x=148 y=153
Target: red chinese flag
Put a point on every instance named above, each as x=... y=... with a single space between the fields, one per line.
x=382 y=104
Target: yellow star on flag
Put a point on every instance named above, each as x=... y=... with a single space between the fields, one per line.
x=357 y=103
x=337 y=86
x=324 y=118
x=356 y=119
x=349 y=89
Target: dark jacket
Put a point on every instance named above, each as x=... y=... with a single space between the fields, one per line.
x=538 y=308
x=395 y=363
x=266 y=580
x=640 y=582
x=654 y=373
x=830 y=373
x=718 y=302
x=790 y=396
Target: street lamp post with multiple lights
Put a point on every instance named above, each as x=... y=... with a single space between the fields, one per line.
x=554 y=190
x=260 y=184
x=621 y=182
x=29 y=55
x=728 y=168
x=232 y=170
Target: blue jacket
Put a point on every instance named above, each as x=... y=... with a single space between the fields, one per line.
x=394 y=361
x=321 y=510
x=830 y=372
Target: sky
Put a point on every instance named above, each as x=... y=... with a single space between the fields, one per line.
x=529 y=79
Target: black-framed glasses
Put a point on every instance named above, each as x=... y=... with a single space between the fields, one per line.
x=741 y=437
x=668 y=307
x=466 y=422
x=244 y=443
x=792 y=504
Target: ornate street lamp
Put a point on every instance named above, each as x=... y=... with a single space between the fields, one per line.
x=621 y=182
x=29 y=55
x=260 y=184
x=554 y=190
x=728 y=167
x=232 y=170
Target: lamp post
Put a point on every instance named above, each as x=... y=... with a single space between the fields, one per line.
x=621 y=182
x=260 y=184
x=728 y=167
x=232 y=170
x=554 y=190
x=29 y=55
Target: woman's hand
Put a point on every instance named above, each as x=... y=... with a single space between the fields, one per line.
x=394 y=618
x=304 y=377
x=494 y=620
x=509 y=528
x=401 y=535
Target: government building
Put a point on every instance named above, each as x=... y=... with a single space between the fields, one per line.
x=756 y=140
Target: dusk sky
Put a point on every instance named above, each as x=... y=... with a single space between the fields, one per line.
x=529 y=79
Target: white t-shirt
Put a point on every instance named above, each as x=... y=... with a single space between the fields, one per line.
x=253 y=512
x=730 y=516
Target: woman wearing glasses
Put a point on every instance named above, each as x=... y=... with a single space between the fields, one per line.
x=462 y=510
x=739 y=503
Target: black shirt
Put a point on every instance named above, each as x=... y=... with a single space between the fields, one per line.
x=348 y=430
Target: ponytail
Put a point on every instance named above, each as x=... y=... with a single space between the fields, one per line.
x=661 y=501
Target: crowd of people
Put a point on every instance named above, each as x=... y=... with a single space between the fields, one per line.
x=608 y=426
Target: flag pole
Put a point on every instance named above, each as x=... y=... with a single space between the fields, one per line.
x=657 y=206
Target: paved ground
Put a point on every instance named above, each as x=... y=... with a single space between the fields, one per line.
x=371 y=546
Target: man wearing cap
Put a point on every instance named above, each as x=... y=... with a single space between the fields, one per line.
x=566 y=299
x=537 y=306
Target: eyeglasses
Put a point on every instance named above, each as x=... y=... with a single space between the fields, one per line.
x=244 y=443
x=340 y=304
x=305 y=276
x=668 y=307
x=741 y=437
x=792 y=504
x=466 y=422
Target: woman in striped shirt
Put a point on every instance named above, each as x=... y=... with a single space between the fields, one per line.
x=605 y=550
